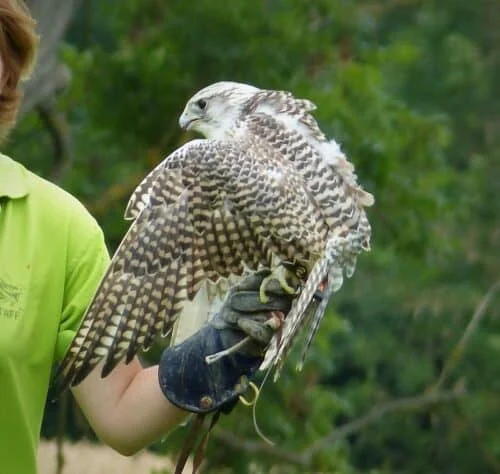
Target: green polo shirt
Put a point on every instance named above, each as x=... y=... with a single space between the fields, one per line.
x=52 y=257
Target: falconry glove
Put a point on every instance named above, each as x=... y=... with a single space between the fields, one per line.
x=243 y=323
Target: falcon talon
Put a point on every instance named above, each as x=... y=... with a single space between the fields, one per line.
x=264 y=299
x=280 y=274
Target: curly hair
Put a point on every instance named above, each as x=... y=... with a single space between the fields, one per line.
x=18 y=44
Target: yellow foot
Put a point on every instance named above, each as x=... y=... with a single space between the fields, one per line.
x=279 y=274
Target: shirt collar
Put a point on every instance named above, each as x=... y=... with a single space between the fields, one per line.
x=14 y=180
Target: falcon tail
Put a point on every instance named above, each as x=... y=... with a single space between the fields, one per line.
x=283 y=341
x=328 y=273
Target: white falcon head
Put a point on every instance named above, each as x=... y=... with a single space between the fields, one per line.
x=215 y=109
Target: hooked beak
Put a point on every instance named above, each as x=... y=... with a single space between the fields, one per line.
x=186 y=120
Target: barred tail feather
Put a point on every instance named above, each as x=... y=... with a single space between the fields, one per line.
x=315 y=323
x=281 y=343
x=327 y=268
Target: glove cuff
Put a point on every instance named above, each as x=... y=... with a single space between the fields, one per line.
x=190 y=383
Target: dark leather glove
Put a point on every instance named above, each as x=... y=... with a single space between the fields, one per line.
x=186 y=378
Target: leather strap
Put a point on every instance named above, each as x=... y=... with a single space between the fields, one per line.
x=189 y=444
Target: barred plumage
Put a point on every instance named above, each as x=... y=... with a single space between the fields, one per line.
x=266 y=186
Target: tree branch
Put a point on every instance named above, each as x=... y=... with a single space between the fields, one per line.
x=49 y=76
x=459 y=349
x=415 y=403
x=58 y=127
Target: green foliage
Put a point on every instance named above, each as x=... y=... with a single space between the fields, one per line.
x=409 y=89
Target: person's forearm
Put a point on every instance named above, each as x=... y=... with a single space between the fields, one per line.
x=127 y=409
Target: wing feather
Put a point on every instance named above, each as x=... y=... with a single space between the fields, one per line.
x=210 y=210
x=332 y=187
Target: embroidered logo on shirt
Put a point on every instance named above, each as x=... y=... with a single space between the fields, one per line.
x=10 y=299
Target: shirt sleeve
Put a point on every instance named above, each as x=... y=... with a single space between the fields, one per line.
x=88 y=259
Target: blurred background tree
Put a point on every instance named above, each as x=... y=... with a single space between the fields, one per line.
x=404 y=375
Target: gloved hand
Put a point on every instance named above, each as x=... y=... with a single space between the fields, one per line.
x=186 y=378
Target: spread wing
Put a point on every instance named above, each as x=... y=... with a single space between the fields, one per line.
x=210 y=210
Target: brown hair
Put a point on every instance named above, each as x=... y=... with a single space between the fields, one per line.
x=18 y=43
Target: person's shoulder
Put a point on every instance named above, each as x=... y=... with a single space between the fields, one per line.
x=55 y=200
x=52 y=195
x=58 y=212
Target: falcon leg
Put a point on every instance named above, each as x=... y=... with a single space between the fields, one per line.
x=280 y=274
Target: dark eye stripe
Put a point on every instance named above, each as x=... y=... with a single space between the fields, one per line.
x=202 y=103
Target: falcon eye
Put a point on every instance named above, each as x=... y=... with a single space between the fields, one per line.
x=202 y=103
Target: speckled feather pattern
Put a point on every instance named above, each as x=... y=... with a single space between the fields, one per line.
x=214 y=208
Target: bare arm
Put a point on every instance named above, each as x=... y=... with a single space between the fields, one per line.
x=127 y=409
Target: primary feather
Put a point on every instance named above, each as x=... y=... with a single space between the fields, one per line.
x=264 y=186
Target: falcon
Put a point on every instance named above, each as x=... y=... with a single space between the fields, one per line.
x=265 y=188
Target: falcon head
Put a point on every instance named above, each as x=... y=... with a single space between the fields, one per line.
x=215 y=109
